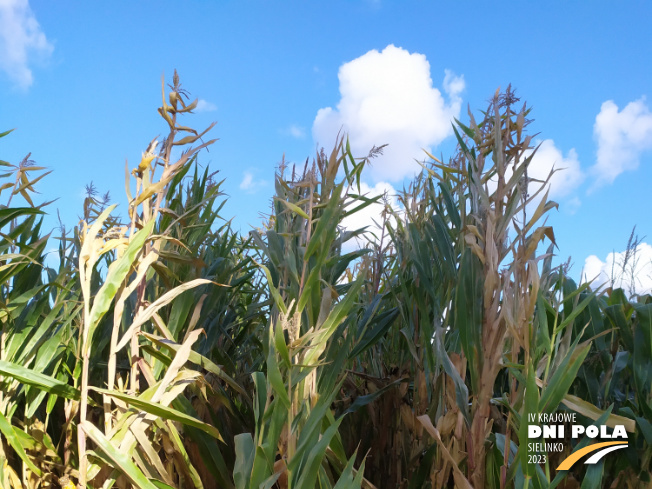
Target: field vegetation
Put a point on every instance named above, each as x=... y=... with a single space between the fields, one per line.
x=165 y=350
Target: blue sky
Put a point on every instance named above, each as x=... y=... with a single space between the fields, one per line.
x=80 y=81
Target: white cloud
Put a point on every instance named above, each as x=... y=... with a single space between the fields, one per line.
x=388 y=98
x=250 y=184
x=621 y=137
x=563 y=182
x=637 y=274
x=572 y=205
x=205 y=106
x=371 y=216
x=295 y=131
x=21 y=39
x=247 y=181
x=568 y=175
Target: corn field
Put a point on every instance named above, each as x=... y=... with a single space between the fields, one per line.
x=162 y=349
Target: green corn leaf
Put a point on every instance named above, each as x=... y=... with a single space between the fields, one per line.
x=563 y=377
x=274 y=376
x=117 y=273
x=616 y=315
x=244 y=460
x=281 y=346
x=200 y=360
x=324 y=233
x=468 y=313
x=39 y=380
x=120 y=460
x=362 y=401
x=181 y=450
x=371 y=336
x=293 y=207
x=146 y=314
x=312 y=427
x=13 y=439
x=209 y=447
x=310 y=468
x=9 y=214
x=278 y=300
x=161 y=411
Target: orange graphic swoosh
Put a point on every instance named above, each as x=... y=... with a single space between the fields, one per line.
x=575 y=456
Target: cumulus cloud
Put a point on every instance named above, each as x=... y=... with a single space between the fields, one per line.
x=250 y=184
x=569 y=172
x=388 y=97
x=21 y=40
x=629 y=271
x=369 y=217
x=205 y=106
x=564 y=181
x=621 y=137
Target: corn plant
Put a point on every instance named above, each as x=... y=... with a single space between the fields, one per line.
x=135 y=406
x=296 y=441
x=32 y=341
